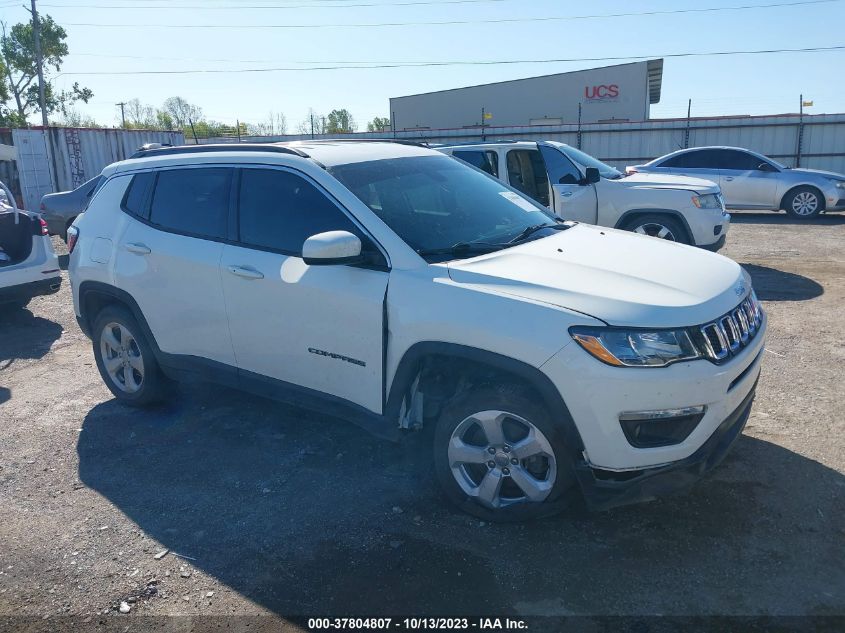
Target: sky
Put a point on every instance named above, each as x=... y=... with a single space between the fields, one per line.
x=126 y=36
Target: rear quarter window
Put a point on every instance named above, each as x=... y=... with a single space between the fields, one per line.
x=136 y=200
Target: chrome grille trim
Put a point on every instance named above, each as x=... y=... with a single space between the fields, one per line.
x=728 y=334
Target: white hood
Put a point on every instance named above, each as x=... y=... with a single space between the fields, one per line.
x=616 y=276
x=668 y=181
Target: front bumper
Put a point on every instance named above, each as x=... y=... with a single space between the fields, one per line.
x=605 y=489
x=24 y=292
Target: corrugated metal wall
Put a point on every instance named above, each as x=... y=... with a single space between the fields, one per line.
x=59 y=159
x=621 y=144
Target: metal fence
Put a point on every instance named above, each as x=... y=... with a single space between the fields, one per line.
x=821 y=137
x=59 y=159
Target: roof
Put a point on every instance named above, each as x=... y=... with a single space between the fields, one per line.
x=340 y=152
x=326 y=153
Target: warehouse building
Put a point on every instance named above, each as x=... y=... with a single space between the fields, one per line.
x=614 y=93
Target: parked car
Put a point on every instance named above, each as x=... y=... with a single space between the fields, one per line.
x=577 y=186
x=60 y=209
x=397 y=287
x=752 y=181
x=28 y=264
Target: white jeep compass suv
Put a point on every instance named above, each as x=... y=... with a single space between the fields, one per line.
x=399 y=288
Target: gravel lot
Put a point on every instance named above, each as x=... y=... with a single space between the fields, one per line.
x=273 y=511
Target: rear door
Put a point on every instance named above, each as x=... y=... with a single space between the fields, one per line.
x=526 y=172
x=318 y=327
x=572 y=198
x=169 y=258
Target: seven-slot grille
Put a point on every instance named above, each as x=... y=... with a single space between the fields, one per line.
x=728 y=334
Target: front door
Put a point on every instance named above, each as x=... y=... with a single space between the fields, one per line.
x=744 y=184
x=318 y=327
x=572 y=197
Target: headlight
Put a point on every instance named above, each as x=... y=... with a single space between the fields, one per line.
x=839 y=184
x=635 y=348
x=707 y=201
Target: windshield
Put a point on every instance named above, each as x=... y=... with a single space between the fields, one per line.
x=439 y=203
x=585 y=160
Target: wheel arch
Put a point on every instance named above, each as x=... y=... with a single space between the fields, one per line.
x=633 y=214
x=803 y=185
x=95 y=295
x=486 y=366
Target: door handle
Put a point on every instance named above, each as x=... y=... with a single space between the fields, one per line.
x=246 y=273
x=140 y=249
x=566 y=194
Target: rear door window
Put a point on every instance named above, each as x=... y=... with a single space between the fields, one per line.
x=527 y=173
x=485 y=160
x=697 y=159
x=192 y=201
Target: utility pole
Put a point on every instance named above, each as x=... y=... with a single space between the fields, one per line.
x=122 y=115
x=579 y=125
x=686 y=132
x=39 y=64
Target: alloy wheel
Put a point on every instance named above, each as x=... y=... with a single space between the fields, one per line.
x=502 y=459
x=805 y=203
x=122 y=357
x=656 y=230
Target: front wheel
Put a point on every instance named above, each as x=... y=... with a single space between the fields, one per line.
x=125 y=359
x=660 y=226
x=804 y=203
x=498 y=456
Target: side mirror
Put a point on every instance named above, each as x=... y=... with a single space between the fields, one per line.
x=592 y=176
x=332 y=248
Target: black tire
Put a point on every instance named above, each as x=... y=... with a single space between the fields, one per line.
x=454 y=417
x=654 y=224
x=152 y=387
x=804 y=203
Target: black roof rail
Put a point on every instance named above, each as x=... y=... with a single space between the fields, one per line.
x=503 y=141
x=217 y=147
x=398 y=141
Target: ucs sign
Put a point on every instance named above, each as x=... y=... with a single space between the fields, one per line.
x=601 y=92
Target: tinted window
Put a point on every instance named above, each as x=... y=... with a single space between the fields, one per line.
x=560 y=168
x=280 y=210
x=699 y=159
x=193 y=201
x=742 y=161
x=135 y=200
x=527 y=172
x=486 y=161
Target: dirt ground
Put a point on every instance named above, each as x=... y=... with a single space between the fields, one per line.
x=268 y=510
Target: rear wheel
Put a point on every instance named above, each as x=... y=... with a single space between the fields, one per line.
x=804 y=203
x=498 y=456
x=125 y=358
x=657 y=225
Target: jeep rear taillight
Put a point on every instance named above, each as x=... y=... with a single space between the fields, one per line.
x=44 y=229
x=72 y=238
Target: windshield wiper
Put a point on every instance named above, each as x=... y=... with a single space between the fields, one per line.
x=530 y=230
x=462 y=248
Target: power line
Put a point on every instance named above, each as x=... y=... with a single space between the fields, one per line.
x=412 y=3
x=456 y=63
x=458 y=22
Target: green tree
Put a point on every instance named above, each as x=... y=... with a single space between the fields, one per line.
x=182 y=113
x=378 y=124
x=17 y=52
x=340 y=122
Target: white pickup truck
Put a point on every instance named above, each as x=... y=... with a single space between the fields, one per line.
x=577 y=186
